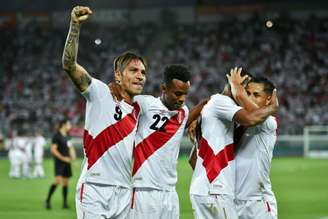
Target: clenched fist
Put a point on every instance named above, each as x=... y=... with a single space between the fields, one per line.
x=80 y=14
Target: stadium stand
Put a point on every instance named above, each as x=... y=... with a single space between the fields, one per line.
x=292 y=53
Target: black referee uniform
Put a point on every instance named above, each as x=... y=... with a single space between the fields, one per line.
x=62 y=168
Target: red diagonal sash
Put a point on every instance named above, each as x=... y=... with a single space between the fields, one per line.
x=156 y=140
x=96 y=147
x=212 y=163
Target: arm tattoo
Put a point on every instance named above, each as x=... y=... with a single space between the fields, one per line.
x=71 y=48
x=82 y=80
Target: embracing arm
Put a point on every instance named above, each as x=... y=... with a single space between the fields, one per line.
x=195 y=111
x=246 y=118
x=241 y=97
x=193 y=157
x=76 y=72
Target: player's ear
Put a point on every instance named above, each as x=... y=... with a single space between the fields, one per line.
x=268 y=100
x=163 y=88
x=118 y=76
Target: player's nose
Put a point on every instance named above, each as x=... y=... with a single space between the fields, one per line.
x=140 y=76
x=182 y=99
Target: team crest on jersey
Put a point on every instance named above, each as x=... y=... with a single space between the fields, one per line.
x=162 y=112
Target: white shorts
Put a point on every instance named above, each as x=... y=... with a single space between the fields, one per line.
x=259 y=209
x=154 y=204
x=213 y=206
x=96 y=201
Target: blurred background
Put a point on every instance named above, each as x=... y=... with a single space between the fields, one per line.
x=286 y=41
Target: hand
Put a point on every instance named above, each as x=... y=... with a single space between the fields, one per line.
x=235 y=77
x=235 y=80
x=116 y=91
x=274 y=101
x=67 y=159
x=192 y=131
x=80 y=14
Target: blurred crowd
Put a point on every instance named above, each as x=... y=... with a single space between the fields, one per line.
x=291 y=52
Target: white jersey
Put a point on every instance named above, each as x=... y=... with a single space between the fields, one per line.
x=215 y=169
x=108 y=137
x=157 y=144
x=253 y=161
x=39 y=143
x=19 y=143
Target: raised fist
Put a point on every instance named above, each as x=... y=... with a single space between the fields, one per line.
x=80 y=14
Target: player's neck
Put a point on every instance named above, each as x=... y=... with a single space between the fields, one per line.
x=164 y=102
x=128 y=100
x=127 y=97
x=63 y=132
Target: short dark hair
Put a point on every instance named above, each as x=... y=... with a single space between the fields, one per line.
x=176 y=71
x=121 y=61
x=268 y=85
x=62 y=122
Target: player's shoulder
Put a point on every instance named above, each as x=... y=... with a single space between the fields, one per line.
x=96 y=90
x=144 y=98
x=145 y=101
x=219 y=96
x=270 y=123
x=220 y=99
x=55 y=137
x=97 y=83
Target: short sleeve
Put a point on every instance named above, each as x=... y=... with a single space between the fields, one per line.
x=141 y=100
x=54 y=139
x=223 y=107
x=269 y=125
x=96 y=90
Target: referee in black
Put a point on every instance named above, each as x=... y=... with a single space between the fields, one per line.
x=64 y=154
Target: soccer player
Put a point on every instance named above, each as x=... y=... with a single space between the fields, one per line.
x=254 y=195
x=19 y=163
x=38 y=144
x=64 y=154
x=104 y=188
x=212 y=187
x=160 y=130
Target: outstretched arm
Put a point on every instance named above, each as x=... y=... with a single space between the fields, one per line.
x=76 y=72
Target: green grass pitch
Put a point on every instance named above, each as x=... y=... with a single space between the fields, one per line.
x=301 y=187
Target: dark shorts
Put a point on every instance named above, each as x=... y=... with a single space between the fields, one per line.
x=63 y=169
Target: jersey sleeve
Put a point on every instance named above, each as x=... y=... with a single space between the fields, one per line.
x=55 y=140
x=269 y=125
x=96 y=90
x=141 y=100
x=223 y=107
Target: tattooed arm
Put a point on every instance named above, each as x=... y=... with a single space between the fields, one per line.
x=76 y=72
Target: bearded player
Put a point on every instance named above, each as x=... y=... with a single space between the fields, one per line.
x=104 y=188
